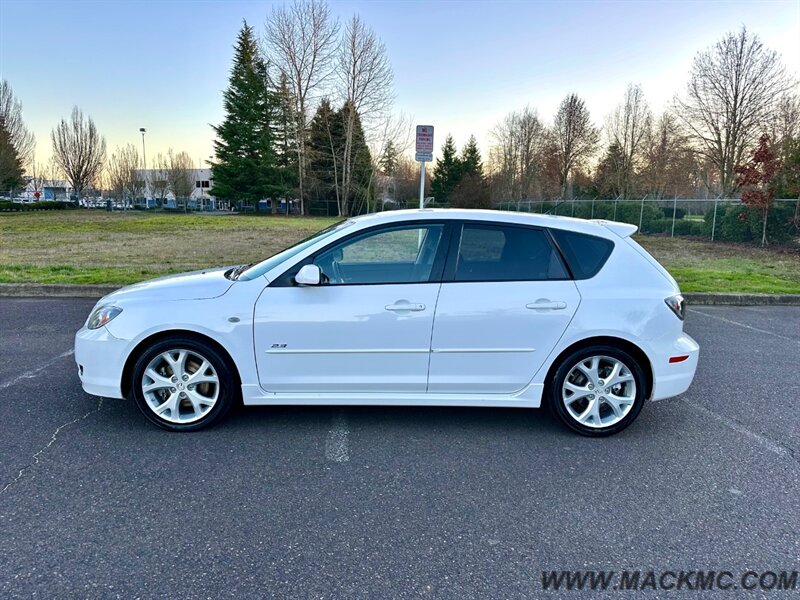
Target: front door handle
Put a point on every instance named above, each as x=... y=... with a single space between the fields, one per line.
x=545 y=304
x=404 y=305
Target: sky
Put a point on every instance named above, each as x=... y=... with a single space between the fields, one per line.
x=459 y=66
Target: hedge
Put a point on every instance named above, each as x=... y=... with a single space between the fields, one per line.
x=6 y=205
x=738 y=223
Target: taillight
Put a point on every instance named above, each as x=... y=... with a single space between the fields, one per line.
x=678 y=305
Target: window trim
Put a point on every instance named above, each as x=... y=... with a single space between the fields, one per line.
x=286 y=278
x=455 y=247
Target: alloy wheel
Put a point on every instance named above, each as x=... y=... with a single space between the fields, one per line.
x=180 y=386
x=599 y=391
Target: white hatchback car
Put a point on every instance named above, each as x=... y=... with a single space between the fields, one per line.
x=417 y=308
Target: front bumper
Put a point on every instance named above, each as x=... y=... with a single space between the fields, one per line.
x=101 y=359
x=672 y=379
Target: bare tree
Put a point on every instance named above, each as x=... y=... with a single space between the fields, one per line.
x=159 y=179
x=574 y=137
x=79 y=150
x=395 y=137
x=123 y=175
x=366 y=83
x=628 y=127
x=784 y=122
x=513 y=158
x=301 y=41
x=733 y=88
x=38 y=177
x=669 y=163
x=11 y=113
x=181 y=176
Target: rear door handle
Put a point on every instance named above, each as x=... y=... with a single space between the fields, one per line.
x=403 y=305
x=545 y=304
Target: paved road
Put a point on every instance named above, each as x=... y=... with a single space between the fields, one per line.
x=392 y=502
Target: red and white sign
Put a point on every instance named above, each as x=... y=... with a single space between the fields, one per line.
x=424 y=147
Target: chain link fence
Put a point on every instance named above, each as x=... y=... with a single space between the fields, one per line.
x=725 y=219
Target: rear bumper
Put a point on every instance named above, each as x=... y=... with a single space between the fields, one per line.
x=100 y=358
x=672 y=379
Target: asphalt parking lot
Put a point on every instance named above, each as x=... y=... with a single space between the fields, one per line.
x=392 y=502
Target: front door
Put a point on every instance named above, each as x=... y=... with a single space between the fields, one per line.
x=505 y=302
x=367 y=328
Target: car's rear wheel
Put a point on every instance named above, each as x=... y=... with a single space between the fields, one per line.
x=182 y=384
x=597 y=391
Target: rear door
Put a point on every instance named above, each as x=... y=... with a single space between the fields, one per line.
x=505 y=301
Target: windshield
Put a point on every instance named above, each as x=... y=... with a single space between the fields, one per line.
x=265 y=266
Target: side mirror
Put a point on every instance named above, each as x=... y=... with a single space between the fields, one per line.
x=308 y=275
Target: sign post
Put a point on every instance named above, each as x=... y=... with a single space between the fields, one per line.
x=424 y=153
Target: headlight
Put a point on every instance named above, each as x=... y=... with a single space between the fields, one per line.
x=102 y=316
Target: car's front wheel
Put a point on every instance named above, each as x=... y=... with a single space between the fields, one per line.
x=597 y=391
x=182 y=384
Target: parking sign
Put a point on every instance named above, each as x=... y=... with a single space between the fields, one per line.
x=424 y=149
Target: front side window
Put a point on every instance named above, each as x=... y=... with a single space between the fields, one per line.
x=506 y=253
x=393 y=255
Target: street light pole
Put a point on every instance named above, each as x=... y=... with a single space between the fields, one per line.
x=213 y=201
x=144 y=170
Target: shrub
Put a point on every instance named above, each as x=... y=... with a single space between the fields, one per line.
x=679 y=212
x=43 y=205
x=739 y=223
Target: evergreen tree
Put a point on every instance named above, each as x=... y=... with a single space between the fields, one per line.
x=388 y=160
x=361 y=184
x=10 y=163
x=246 y=166
x=606 y=183
x=447 y=172
x=324 y=155
x=471 y=158
x=325 y=150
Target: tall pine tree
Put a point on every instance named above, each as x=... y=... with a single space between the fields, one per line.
x=246 y=164
x=10 y=163
x=389 y=159
x=324 y=155
x=362 y=189
x=447 y=172
x=471 y=158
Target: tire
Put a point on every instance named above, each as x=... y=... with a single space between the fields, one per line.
x=578 y=394
x=183 y=384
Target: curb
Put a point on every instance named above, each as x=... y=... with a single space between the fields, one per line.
x=722 y=299
x=68 y=290
x=55 y=290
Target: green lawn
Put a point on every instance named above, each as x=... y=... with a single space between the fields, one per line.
x=95 y=247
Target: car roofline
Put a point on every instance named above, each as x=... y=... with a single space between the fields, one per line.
x=605 y=229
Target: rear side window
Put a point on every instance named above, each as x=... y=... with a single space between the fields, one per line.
x=500 y=253
x=586 y=254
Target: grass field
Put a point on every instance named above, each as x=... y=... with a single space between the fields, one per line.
x=120 y=248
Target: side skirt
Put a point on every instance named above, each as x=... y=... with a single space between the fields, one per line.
x=529 y=397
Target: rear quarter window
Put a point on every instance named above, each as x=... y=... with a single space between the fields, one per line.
x=586 y=254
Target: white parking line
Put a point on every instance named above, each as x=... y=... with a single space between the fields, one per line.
x=33 y=372
x=336 y=444
x=761 y=440
x=777 y=335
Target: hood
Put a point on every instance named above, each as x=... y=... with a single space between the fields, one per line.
x=197 y=285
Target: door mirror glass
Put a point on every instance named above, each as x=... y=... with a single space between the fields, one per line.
x=308 y=275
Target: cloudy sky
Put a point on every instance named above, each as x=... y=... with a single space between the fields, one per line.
x=460 y=66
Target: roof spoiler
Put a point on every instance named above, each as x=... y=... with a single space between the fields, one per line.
x=623 y=230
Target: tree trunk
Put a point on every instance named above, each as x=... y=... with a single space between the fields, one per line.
x=764 y=231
